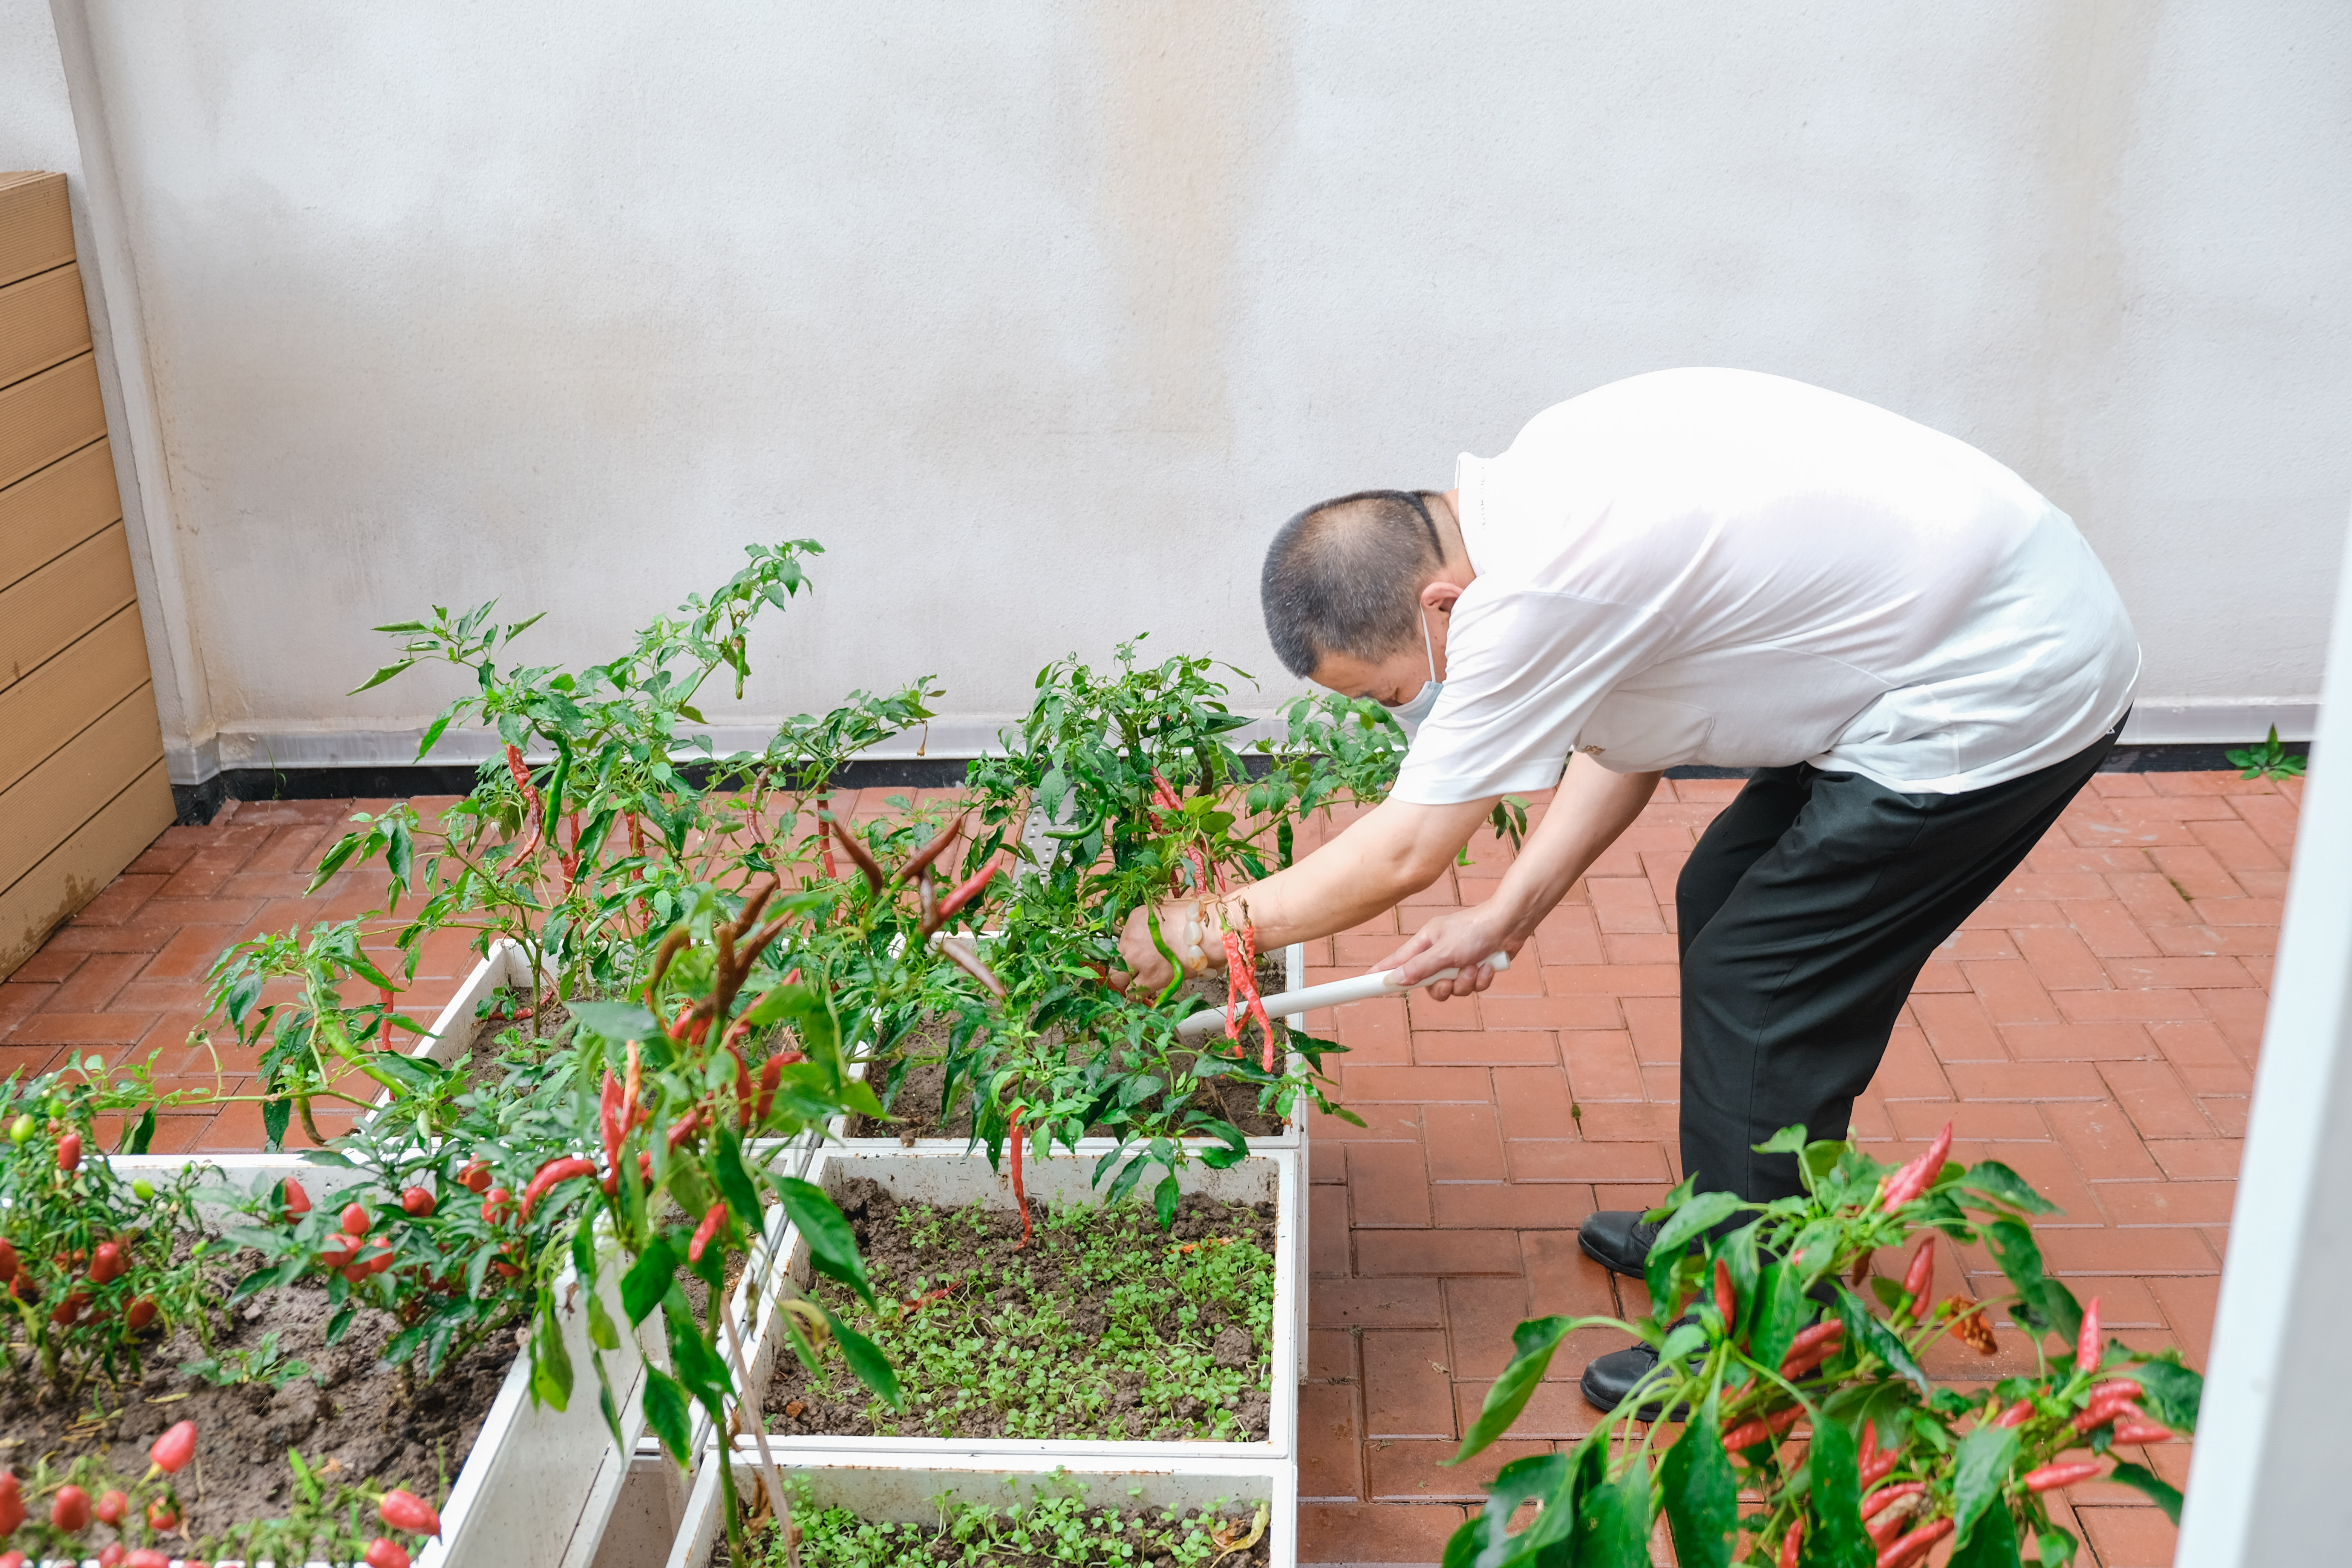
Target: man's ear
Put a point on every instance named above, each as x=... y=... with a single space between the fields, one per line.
x=1439 y=595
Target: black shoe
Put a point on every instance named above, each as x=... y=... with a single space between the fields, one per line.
x=1618 y=1241
x=1608 y=1379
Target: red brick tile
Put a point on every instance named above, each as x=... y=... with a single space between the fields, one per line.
x=2009 y=993
x=1569 y=935
x=1534 y=1102
x=189 y=953
x=1465 y=1144
x=2239 y=1014
x=1330 y=1355
x=2195 y=872
x=1542 y=1205
x=2151 y=1095
x=50 y=965
x=1480 y=1314
x=1401 y=1302
x=1347 y=1533
x=2229 y=1082
x=1407 y=1391
x=2236 y=846
x=1487 y=1047
x=30 y=1061
x=2113 y=1040
x=2199 y=1159
x=2196 y=973
x=1655 y=1023
x=1641 y=947
x=2108 y=928
x=2271 y=818
x=2029 y=1081
x=1413 y=1470
x=2152 y=899
x=55 y=1028
x=1562 y=1278
x=1917 y=1120
x=1374 y=1033
x=2129 y=1537
x=1625 y=1121
x=2105 y=1144
x=1628 y=904
x=1956 y=1028
x=1331 y=1444
x=1940 y=975
x=1388 y=1185
x=18 y=999
x=1385 y=1252
x=1595 y=1012
x=1327 y=1231
x=1600 y=1066
x=1614 y=980
x=2188 y=1301
x=2008 y=914
x=2061 y=959
x=1454 y=1013
x=2132 y=1204
x=2228 y=1113
x=1368 y=1084
x=2252 y=912
x=1909 y=1070
x=2142 y=1252
x=1569 y=1160
x=1327 y=1161
x=2142 y=1006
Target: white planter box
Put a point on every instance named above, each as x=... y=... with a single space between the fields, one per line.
x=539 y=1483
x=1192 y=1473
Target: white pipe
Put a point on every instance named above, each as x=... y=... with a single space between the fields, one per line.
x=1331 y=993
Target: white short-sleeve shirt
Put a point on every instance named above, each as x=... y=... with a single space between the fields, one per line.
x=1719 y=566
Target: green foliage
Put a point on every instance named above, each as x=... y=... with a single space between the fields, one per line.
x=1052 y=1527
x=2271 y=760
x=1785 y=1266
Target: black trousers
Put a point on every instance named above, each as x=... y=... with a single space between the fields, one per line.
x=1807 y=911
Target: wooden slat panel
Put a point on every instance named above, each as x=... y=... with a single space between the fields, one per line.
x=48 y=513
x=79 y=869
x=35 y=225
x=43 y=417
x=49 y=706
x=48 y=805
x=42 y=323
x=57 y=604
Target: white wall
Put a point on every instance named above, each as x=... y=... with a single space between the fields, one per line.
x=1042 y=315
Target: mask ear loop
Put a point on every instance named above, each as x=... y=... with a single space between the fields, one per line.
x=1428 y=648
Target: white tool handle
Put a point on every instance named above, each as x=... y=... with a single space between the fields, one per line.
x=1331 y=993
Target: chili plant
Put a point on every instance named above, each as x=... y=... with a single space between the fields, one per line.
x=94 y=1268
x=1759 y=1327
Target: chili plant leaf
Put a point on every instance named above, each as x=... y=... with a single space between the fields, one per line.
x=550 y=1360
x=833 y=1247
x=866 y=1360
x=1532 y=1345
x=2043 y=1304
x=1698 y=1214
x=1864 y=1331
x=2055 y=1547
x=2150 y=1485
x=1702 y=1498
x=137 y=1139
x=1788 y=1140
x=1779 y=1313
x=647 y=1281
x=380 y=677
x=1612 y=1522
x=735 y=1182
x=697 y=1368
x=276 y=1115
x=1836 y=1538
x=600 y=1331
x=1986 y=1457
x=1993 y=1544
x=1996 y=1181
x=1164 y=1198
x=617 y=1021
x=666 y=1411
x=1485 y=1540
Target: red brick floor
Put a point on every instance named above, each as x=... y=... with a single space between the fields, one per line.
x=2094 y=1025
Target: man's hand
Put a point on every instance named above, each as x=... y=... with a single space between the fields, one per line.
x=1464 y=940
x=1147 y=970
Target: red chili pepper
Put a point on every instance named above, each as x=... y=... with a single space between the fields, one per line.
x=494 y=1205
x=742 y=1089
x=2139 y=1431
x=1889 y=1525
x=965 y=891
x=1020 y=1191
x=608 y=1118
x=2099 y=1415
x=1914 y=1546
x=69 y=1151
x=474 y=1176
x=9 y=1267
x=705 y=1231
x=417 y=1203
x=1792 y=1543
x=2050 y=1477
x=140 y=1313
x=1919 y=1279
x=858 y=853
x=71 y=1509
x=1748 y=1433
x=175 y=1448
x=113 y=1504
x=1869 y=1453
x=2088 y=1350
x=383 y=1553
x=406 y=1510
x=552 y=1172
x=355 y=1220
x=771 y=1074
x=683 y=1128
x=929 y=852
x=1725 y=1300
x=162 y=1516
x=1878 y=1470
x=973 y=967
x=1878 y=1502
x=1812 y=1347
x=1916 y=1177
x=106 y=1263
x=383 y=1024
x=1819 y=1334
x=2017 y=1414
x=67 y=1310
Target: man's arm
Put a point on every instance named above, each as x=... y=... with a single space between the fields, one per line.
x=1592 y=808
x=1397 y=849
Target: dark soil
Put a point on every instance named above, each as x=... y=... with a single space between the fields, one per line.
x=357 y=1424
x=1083 y=1333
x=915 y=1108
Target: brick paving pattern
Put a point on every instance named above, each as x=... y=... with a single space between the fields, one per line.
x=2094 y=1024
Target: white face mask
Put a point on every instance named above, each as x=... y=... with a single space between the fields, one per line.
x=1411 y=714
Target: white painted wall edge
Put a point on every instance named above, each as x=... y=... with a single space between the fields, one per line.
x=2189 y=721
x=2266 y=1485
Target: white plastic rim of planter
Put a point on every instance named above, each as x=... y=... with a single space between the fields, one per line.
x=454 y=1027
x=877 y=1487
x=539 y=1483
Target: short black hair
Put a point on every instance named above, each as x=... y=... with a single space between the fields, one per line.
x=1345 y=576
